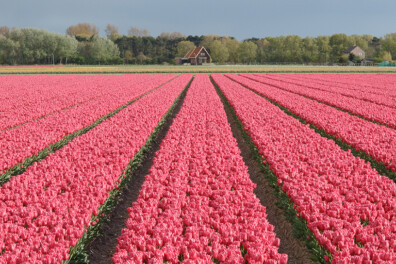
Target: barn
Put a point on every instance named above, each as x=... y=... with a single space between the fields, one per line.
x=197 y=56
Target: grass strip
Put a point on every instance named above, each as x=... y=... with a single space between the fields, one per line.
x=78 y=253
x=22 y=167
x=199 y=71
x=300 y=228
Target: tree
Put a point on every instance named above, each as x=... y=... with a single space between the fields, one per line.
x=208 y=39
x=103 y=50
x=183 y=47
x=67 y=47
x=29 y=45
x=83 y=30
x=173 y=35
x=232 y=47
x=247 y=52
x=112 y=32
x=128 y=56
x=362 y=41
x=339 y=43
x=141 y=57
x=389 y=44
x=9 y=51
x=4 y=30
x=344 y=58
x=218 y=51
x=134 y=31
x=383 y=56
x=387 y=56
x=322 y=42
x=292 y=48
x=195 y=39
x=84 y=49
x=50 y=46
x=310 y=51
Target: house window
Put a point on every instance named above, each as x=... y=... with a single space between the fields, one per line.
x=203 y=60
x=202 y=53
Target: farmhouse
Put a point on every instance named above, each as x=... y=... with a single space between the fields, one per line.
x=197 y=56
x=357 y=51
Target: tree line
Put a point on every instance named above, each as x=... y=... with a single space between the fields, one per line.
x=82 y=45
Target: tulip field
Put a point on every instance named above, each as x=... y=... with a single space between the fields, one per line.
x=70 y=145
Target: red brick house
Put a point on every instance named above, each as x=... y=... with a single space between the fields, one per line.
x=357 y=51
x=197 y=56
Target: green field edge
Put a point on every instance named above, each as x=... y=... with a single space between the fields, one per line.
x=78 y=253
x=42 y=154
x=378 y=166
x=300 y=228
x=195 y=72
x=316 y=100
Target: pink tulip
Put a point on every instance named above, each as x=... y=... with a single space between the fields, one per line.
x=374 y=139
x=329 y=187
x=77 y=179
x=207 y=190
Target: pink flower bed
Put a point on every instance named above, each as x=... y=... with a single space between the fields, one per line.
x=27 y=98
x=46 y=210
x=197 y=203
x=382 y=114
x=27 y=140
x=376 y=140
x=349 y=207
x=365 y=94
x=382 y=84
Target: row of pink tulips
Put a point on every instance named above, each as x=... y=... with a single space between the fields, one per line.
x=25 y=90
x=46 y=210
x=339 y=89
x=382 y=114
x=376 y=140
x=349 y=207
x=375 y=83
x=33 y=97
x=27 y=140
x=197 y=203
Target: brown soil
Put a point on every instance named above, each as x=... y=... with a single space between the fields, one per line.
x=103 y=247
x=297 y=252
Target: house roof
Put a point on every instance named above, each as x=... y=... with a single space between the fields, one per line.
x=350 y=49
x=193 y=53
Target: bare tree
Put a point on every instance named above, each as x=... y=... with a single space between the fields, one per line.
x=173 y=35
x=4 y=30
x=112 y=32
x=84 y=30
x=137 y=32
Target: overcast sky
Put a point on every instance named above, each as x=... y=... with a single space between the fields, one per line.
x=241 y=19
